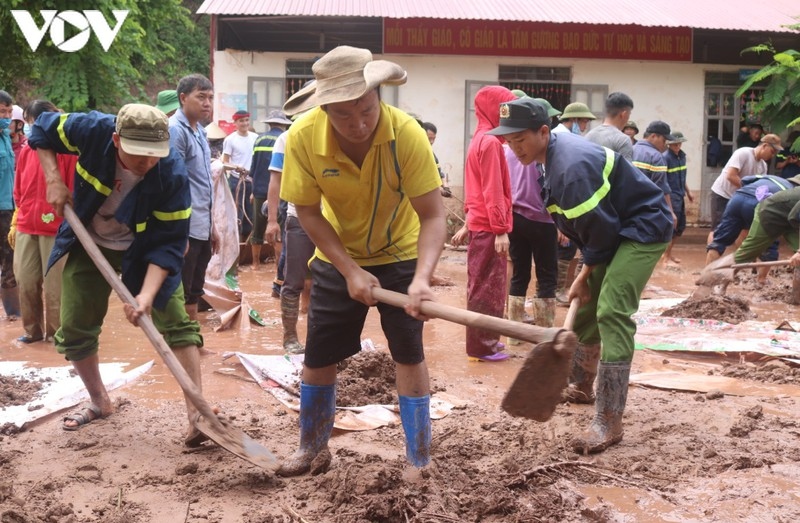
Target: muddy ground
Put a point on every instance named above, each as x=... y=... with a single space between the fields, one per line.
x=685 y=456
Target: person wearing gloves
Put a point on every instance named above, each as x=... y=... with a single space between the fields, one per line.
x=32 y=235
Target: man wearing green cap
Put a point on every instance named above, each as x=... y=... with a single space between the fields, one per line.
x=620 y=221
x=132 y=195
x=574 y=119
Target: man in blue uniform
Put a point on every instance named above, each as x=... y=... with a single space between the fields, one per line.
x=132 y=195
x=621 y=222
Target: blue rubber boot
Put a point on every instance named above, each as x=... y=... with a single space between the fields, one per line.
x=415 y=415
x=317 y=410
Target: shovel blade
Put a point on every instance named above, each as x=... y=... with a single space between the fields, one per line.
x=235 y=441
x=537 y=389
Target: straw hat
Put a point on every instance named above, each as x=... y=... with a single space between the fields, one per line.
x=343 y=74
x=215 y=132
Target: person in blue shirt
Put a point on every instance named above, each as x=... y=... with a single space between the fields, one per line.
x=621 y=222
x=188 y=138
x=132 y=195
x=9 y=294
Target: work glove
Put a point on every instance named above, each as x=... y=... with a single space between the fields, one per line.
x=12 y=231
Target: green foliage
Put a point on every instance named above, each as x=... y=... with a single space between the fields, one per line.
x=158 y=43
x=780 y=105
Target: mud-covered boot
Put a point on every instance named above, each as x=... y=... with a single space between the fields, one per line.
x=317 y=409
x=581 y=377
x=10 y=299
x=612 y=394
x=544 y=311
x=516 y=312
x=290 y=306
x=561 y=283
x=415 y=416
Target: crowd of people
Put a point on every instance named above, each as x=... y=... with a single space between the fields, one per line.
x=347 y=191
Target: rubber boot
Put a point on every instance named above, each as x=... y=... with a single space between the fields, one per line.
x=612 y=394
x=290 y=306
x=516 y=312
x=561 y=294
x=415 y=415
x=10 y=298
x=317 y=409
x=581 y=377
x=544 y=311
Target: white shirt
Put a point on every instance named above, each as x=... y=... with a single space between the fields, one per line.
x=744 y=159
x=240 y=148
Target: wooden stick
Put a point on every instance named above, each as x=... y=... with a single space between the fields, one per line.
x=512 y=329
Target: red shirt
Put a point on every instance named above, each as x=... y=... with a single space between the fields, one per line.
x=35 y=215
x=487 y=186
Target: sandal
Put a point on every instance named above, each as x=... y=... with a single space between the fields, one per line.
x=195 y=439
x=83 y=417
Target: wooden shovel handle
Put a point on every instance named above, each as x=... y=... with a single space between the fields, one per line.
x=513 y=329
x=775 y=263
x=574 y=305
x=145 y=322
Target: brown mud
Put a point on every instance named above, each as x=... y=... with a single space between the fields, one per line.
x=684 y=456
x=730 y=309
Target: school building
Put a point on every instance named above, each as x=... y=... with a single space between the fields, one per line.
x=681 y=61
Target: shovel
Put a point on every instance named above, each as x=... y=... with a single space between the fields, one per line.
x=432 y=309
x=537 y=388
x=222 y=433
x=716 y=276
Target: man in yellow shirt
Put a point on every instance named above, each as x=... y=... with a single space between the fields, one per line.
x=366 y=188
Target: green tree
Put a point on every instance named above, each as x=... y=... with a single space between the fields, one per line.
x=158 y=42
x=780 y=105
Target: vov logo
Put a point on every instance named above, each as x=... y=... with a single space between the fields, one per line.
x=84 y=23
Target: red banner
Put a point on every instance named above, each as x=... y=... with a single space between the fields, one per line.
x=535 y=39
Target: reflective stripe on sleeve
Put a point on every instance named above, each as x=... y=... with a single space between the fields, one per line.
x=594 y=199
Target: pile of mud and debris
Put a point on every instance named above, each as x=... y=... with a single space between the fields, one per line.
x=368 y=378
x=16 y=390
x=730 y=309
x=774 y=371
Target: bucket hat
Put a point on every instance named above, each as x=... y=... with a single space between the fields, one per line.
x=343 y=74
x=277 y=117
x=677 y=137
x=167 y=101
x=632 y=125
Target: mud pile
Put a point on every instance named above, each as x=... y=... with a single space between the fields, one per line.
x=729 y=309
x=368 y=378
x=18 y=391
